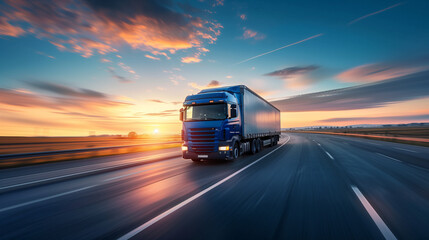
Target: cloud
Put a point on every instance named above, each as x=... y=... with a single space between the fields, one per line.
x=98 y=26
x=65 y=90
x=86 y=47
x=423 y=117
x=243 y=17
x=118 y=77
x=217 y=3
x=129 y=70
x=364 y=96
x=292 y=71
x=248 y=33
x=151 y=57
x=297 y=77
x=191 y=59
x=155 y=100
x=104 y=60
x=74 y=99
x=126 y=68
x=381 y=71
x=23 y=99
x=211 y=84
x=277 y=49
x=373 y=13
x=6 y=29
x=78 y=114
x=165 y=113
x=45 y=54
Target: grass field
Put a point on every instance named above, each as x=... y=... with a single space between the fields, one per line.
x=17 y=145
x=10 y=145
x=410 y=135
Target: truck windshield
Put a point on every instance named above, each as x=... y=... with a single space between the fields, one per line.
x=205 y=112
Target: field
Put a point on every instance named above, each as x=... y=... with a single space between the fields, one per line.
x=52 y=147
x=410 y=135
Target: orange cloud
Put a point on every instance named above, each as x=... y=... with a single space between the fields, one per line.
x=192 y=59
x=211 y=84
x=252 y=34
x=7 y=29
x=98 y=26
x=151 y=57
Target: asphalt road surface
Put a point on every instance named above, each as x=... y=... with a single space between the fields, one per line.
x=310 y=186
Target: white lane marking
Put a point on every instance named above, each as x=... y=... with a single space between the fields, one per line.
x=44 y=199
x=73 y=174
x=384 y=229
x=182 y=204
x=329 y=155
x=403 y=149
x=389 y=157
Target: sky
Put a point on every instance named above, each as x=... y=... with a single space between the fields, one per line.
x=85 y=67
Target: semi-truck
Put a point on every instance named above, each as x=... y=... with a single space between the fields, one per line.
x=226 y=122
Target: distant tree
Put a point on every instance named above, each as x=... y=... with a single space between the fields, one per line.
x=132 y=135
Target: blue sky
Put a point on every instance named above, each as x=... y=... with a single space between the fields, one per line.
x=133 y=53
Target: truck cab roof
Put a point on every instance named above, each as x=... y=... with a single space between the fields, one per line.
x=210 y=98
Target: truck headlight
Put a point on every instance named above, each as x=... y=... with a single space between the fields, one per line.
x=184 y=148
x=224 y=148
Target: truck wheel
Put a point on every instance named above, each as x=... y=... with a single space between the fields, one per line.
x=258 y=145
x=235 y=151
x=253 y=146
x=272 y=142
x=196 y=160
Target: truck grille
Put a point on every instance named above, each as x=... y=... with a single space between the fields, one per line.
x=202 y=139
x=202 y=148
x=202 y=134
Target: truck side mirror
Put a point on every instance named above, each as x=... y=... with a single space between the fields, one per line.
x=233 y=112
x=181 y=114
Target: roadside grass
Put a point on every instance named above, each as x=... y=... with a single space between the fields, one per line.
x=409 y=135
x=11 y=145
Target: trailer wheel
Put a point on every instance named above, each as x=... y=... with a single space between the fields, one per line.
x=253 y=146
x=235 y=151
x=272 y=142
x=196 y=160
x=258 y=145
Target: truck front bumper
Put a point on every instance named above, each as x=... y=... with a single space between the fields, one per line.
x=210 y=155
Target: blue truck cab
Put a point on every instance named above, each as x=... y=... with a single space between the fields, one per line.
x=213 y=124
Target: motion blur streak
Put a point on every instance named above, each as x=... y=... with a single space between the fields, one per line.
x=182 y=204
x=296 y=192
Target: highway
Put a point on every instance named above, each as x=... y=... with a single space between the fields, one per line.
x=310 y=186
